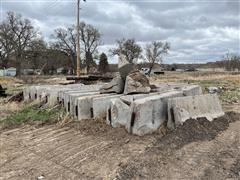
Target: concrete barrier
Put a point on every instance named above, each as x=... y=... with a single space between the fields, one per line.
x=101 y=104
x=118 y=113
x=140 y=114
x=149 y=113
x=192 y=90
x=182 y=108
x=84 y=106
x=62 y=93
x=73 y=101
x=53 y=95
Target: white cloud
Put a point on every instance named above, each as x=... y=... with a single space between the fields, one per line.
x=197 y=30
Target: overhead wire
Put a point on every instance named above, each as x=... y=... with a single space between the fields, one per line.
x=53 y=5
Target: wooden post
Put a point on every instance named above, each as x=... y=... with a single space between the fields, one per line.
x=78 y=40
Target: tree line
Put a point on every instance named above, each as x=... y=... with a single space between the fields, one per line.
x=230 y=62
x=22 y=43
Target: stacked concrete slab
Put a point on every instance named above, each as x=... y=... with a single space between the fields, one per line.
x=183 y=108
x=140 y=114
x=145 y=113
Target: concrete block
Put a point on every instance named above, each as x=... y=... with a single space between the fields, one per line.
x=33 y=92
x=136 y=83
x=39 y=91
x=62 y=93
x=164 y=87
x=192 y=90
x=26 y=93
x=73 y=101
x=101 y=104
x=67 y=95
x=84 y=106
x=149 y=113
x=118 y=113
x=115 y=86
x=53 y=94
x=182 y=108
x=43 y=91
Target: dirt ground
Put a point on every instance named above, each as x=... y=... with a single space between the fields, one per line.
x=92 y=150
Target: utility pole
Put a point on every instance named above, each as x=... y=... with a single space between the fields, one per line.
x=78 y=40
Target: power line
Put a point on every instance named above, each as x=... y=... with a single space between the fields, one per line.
x=53 y=4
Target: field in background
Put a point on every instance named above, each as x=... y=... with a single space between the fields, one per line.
x=230 y=82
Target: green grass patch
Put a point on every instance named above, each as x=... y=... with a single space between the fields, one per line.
x=232 y=96
x=31 y=113
x=230 y=93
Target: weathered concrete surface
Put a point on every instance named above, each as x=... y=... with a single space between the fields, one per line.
x=69 y=98
x=149 y=113
x=65 y=95
x=138 y=113
x=120 y=109
x=124 y=67
x=101 y=104
x=115 y=86
x=41 y=91
x=192 y=90
x=53 y=95
x=118 y=114
x=182 y=108
x=62 y=93
x=84 y=106
x=136 y=82
x=73 y=101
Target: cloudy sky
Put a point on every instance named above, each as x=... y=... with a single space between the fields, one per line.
x=198 y=30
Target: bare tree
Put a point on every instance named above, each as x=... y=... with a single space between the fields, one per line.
x=129 y=48
x=6 y=47
x=66 y=41
x=90 y=40
x=231 y=62
x=154 y=53
x=36 y=53
x=21 y=34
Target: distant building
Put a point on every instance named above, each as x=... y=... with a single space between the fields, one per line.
x=155 y=70
x=11 y=71
x=2 y=72
x=8 y=72
x=27 y=71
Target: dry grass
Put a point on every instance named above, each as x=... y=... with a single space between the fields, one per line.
x=197 y=76
x=8 y=108
x=229 y=81
x=5 y=80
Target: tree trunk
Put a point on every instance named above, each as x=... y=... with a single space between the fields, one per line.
x=18 y=68
x=73 y=59
x=150 y=69
x=4 y=63
x=89 y=60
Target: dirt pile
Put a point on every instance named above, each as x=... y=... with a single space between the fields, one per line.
x=197 y=141
x=195 y=130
